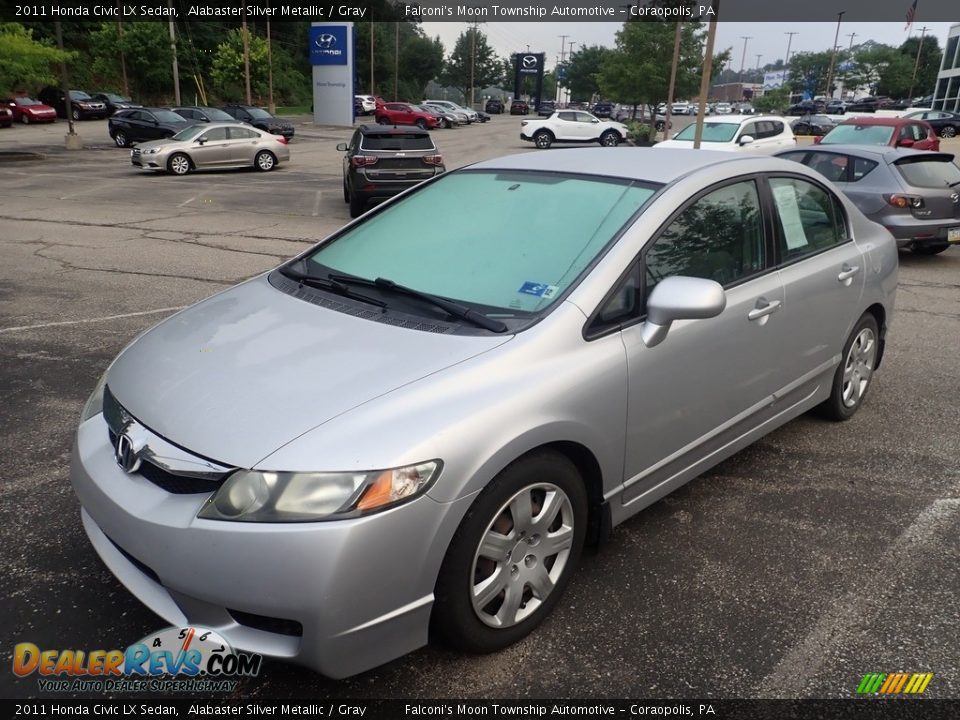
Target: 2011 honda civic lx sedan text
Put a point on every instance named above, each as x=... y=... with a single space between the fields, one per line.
x=406 y=432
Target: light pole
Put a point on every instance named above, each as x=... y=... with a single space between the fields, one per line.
x=743 y=59
x=566 y=90
x=833 y=55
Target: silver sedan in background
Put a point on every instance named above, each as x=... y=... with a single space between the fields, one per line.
x=406 y=429
x=211 y=146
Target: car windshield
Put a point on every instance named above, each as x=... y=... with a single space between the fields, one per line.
x=259 y=114
x=26 y=101
x=79 y=95
x=115 y=98
x=576 y=218
x=168 y=116
x=189 y=133
x=859 y=135
x=712 y=132
x=927 y=172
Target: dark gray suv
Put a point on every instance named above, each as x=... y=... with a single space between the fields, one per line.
x=381 y=161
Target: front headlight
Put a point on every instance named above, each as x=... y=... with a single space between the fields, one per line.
x=94 y=404
x=152 y=151
x=259 y=496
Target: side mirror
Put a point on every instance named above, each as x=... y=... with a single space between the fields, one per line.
x=342 y=147
x=201 y=141
x=595 y=121
x=817 y=139
x=746 y=139
x=906 y=142
x=680 y=298
x=154 y=122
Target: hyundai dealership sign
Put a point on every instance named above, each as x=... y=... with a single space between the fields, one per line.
x=328 y=45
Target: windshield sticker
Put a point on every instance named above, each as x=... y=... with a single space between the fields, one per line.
x=541 y=290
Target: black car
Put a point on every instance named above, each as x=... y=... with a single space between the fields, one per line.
x=201 y=114
x=482 y=117
x=603 y=109
x=546 y=108
x=864 y=104
x=82 y=106
x=115 y=102
x=261 y=119
x=381 y=161
x=944 y=123
x=805 y=107
x=144 y=124
x=494 y=106
x=812 y=125
x=519 y=107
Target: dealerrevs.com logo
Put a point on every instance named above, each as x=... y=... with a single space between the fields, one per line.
x=187 y=659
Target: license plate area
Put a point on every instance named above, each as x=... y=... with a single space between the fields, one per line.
x=953 y=235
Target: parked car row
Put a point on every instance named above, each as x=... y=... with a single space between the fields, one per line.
x=149 y=123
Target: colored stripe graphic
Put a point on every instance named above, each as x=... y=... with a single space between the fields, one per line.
x=894 y=683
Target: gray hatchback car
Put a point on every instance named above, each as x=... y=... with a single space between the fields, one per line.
x=406 y=429
x=915 y=194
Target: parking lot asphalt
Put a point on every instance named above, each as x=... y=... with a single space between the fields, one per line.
x=820 y=553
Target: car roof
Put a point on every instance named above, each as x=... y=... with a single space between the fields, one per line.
x=391 y=129
x=657 y=165
x=885 y=121
x=871 y=152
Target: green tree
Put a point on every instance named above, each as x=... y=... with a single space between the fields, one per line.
x=473 y=49
x=25 y=63
x=773 y=101
x=148 y=56
x=583 y=71
x=929 y=67
x=808 y=72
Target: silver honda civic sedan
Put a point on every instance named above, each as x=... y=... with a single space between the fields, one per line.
x=406 y=432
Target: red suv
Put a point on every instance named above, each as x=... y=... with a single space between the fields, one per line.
x=404 y=114
x=895 y=132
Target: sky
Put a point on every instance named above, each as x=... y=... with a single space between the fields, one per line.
x=768 y=39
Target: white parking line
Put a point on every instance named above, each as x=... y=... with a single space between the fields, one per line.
x=92 y=320
x=804 y=660
x=316 y=204
x=187 y=202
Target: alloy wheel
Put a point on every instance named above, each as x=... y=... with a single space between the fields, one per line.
x=858 y=367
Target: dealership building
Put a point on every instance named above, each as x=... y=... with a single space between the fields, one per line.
x=947 y=93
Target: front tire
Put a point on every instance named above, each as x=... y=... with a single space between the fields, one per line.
x=265 y=161
x=24 y=118
x=853 y=376
x=948 y=131
x=543 y=139
x=381 y=120
x=512 y=556
x=610 y=139
x=120 y=139
x=422 y=124
x=76 y=114
x=178 y=164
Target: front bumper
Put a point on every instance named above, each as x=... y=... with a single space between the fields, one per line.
x=340 y=597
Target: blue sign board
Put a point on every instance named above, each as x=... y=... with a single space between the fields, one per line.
x=328 y=45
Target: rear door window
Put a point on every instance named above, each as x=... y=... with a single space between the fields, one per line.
x=810 y=219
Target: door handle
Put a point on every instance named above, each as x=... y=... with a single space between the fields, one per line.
x=847 y=272
x=763 y=308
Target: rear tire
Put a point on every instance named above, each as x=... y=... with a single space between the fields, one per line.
x=346 y=192
x=422 y=124
x=543 y=139
x=535 y=512
x=265 y=161
x=357 y=205
x=610 y=139
x=24 y=118
x=948 y=131
x=855 y=372
x=381 y=120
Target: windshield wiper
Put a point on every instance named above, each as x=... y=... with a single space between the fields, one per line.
x=331 y=285
x=451 y=308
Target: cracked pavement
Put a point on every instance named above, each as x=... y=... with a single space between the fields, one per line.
x=820 y=553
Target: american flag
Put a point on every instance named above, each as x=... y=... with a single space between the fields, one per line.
x=911 y=11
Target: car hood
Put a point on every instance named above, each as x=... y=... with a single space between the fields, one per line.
x=242 y=373
x=164 y=142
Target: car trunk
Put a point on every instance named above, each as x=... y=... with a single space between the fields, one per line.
x=935 y=178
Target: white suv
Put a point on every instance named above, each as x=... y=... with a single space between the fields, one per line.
x=747 y=133
x=573 y=126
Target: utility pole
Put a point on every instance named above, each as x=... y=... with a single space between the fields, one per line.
x=707 y=71
x=396 y=61
x=833 y=55
x=72 y=140
x=758 y=60
x=373 y=29
x=473 y=60
x=563 y=40
x=173 y=49
x=673 y=84
x=566 y=90
x=246 y=54
x=786 y=60
x=270 y=105
x=916 y=65
x=851 y=36
x=123 y=57
x=743 y=59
